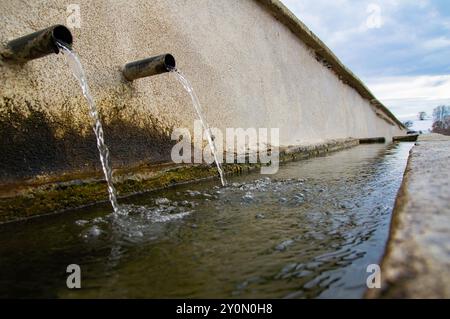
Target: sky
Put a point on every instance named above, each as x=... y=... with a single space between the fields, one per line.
x=399 y=48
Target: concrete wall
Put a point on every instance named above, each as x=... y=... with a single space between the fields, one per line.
x=248 y=68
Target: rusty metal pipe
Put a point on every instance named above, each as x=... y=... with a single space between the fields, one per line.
x=37 y=45
x=149 y=67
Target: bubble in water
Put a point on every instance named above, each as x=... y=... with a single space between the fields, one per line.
x=193 y=193
x=248 y=198
x=284 y=245
x=299 y=199
x=98 y=220
x=81 y=222
x=162 y=201
x=136 y=233
x=92 y=232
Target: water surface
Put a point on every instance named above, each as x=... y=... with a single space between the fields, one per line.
x=308 y=232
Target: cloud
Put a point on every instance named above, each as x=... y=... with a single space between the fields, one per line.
x=408 y=95
x=403 y=60
x=437 y=43
x=407 y=34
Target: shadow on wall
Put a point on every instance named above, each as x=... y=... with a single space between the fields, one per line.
x=35 y=144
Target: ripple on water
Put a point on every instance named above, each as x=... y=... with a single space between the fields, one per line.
x=307 y=232
x=135 y=221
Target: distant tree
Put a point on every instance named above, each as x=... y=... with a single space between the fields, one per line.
x=408 y=124
x=442 y=127
x=441 y=120
x=422 y=116
x=441 y=112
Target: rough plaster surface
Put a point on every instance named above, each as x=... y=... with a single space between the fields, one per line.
x=417 y=262
x=249 y=70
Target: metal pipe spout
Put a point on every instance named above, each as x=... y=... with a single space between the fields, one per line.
x=149 y=67
x=37 y=45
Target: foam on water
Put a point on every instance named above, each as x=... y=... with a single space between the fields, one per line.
x=135 y=222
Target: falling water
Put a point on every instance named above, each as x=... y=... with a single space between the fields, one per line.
x=195 y=101
x=78 y=72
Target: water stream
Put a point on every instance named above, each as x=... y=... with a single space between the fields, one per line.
x=77 y=69
x=198 y=109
